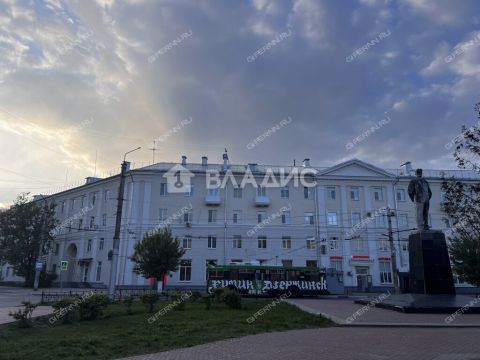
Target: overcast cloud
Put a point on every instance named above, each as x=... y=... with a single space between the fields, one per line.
x=84 y=80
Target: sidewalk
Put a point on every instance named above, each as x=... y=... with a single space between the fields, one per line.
x=339 y=310
x=39 y=311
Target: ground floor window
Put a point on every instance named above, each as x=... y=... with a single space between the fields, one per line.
x=185 y=270
x=385 y=272
x=99 y=270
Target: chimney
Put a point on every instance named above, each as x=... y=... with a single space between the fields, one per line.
x=225 y=161
x=204 y=161
x=306 y=163
x=408 y=168
x=184 y=160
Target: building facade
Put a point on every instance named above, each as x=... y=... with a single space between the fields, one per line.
x=334 y=219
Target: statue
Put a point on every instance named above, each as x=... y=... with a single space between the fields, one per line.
x=420 y=193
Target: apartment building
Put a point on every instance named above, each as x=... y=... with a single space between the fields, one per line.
x=333 y=219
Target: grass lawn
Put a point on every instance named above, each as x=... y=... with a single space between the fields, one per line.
x=118 y=334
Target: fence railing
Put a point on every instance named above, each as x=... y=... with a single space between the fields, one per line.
x=120 y=294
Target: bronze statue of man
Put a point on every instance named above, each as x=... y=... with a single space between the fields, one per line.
x=420 y=193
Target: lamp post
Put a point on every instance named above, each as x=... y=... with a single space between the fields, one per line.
x=118 y=224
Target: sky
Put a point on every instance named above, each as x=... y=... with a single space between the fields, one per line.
x=83 y=81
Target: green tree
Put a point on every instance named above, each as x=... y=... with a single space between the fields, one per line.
x=157 y=254
x=462 y=206
x=23 y=227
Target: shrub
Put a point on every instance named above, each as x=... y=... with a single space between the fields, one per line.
x=66 y=309
x=179 y=300
x=24 y=316
x=128 y=302
x=232 y=299
x=196 y=295
x=207 y=300
x=92 y=307
x=217 y=292
x=150 y=298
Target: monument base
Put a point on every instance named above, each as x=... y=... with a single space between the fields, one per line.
x=433 y=304
x=430 y=270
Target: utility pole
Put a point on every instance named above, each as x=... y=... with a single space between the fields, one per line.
x=393 y=250
x=38 y=260
x=153 y=151
x=118 y=224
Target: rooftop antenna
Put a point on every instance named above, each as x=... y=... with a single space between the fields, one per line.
x=153 y=152
x=95 y=170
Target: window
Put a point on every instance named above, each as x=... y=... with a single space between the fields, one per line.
x=187 y=242
x=106 y=195
x=400 y=194
x=162 y=214
x=187 y=216
x=405 y=245
x=380 y=221
x=213 y=192
x=383 y=245
x=311 y=263
x=212 y=216
x=94 y=198
x=185 y=270
x=309 y=218
x=286 y=217
x=237 y=216
x=189 y=191
x=323 y=249
x=72 y=204
x=83 y=201
x=261 y=191
x=261 y=215
x=336 y=264
x=89 y=245
x=237 y=242
x=80 y=223
x=237 y=192
x=287 y=242
x=311 y=244
x=57 y=249
x=104 y=219
x=101 y=244
x=332 y=219
x=99 y=270
x=385 y=272
x=354 y=193
x=402 y=220
x=307 y=192
x=359 y=245
x=63 y=207
x=85 y=274
x=262 y=242
x=331 y=193
x=92 y=222
x=163 y=189
x=285 y=192
x=54 y=268
x=333 y=244
x=378 y=194
x=287 y=263
x=212 y=242
x=356 y=218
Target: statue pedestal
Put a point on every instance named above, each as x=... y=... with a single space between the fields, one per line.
x=430 y=270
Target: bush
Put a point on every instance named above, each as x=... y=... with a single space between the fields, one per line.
x=128 y=302
x=24 y=316
x=207 y=300
x=92 y=307
x=217 y=292
x=150 y=298
x=232 y=299
x=66 y=309
x=196 y=295
x=179 y=300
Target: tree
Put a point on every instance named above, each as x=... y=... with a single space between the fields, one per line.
x=157 y=254
x=462 y=206
x=23 y=227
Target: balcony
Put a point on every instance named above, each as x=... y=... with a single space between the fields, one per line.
x=262 y=201
x=213 y=199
